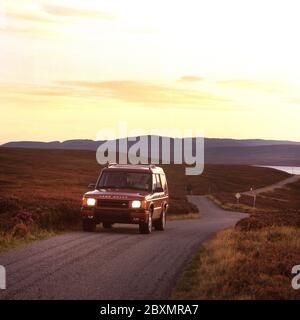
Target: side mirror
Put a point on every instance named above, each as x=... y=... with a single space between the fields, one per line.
x=92 y=186
x=158 y=189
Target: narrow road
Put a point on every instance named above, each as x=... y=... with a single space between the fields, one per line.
x=272 y=187
x=111 y=264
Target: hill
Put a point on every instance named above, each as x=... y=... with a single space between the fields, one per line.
x=217 y=151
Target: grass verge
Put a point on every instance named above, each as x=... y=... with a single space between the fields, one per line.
x=8 y=241
x=243 y=265
x=229 y=206
x=187 y=216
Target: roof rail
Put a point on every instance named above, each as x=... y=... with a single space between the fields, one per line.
x=151 y=166
x=111 y=164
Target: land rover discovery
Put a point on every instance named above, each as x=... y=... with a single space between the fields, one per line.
x=132 y=194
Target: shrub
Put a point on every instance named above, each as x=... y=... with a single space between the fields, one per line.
x=20 y=230
x=262 y=220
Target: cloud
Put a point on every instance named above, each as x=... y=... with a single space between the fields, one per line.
x=13 y=90
x=295 y=100
x=29 y=23
x=44 y=19
x=64 y=11
x=142 y=93
x=241 y=83
x=273 y=89
x=30 y=16
x=263 y=85
x=191 y=78
x=146 y=93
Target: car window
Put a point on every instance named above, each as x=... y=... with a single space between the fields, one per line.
x=158 y=182
x=121 y=179
x=153 y=181
x=163 y=181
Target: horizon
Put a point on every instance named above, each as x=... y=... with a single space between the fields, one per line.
x=126 y=137
x=68 y=68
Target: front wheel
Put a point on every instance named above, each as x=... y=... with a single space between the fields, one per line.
x=146 y=228
x=88 y=225
x=160 y=224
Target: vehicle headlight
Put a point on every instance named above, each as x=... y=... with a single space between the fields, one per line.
x=136 y=204
x=91 y=202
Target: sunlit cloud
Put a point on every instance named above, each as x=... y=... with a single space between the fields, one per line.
x=295 y=100
x=64 y=11
x=23 y=12
x=27 y=31
x=44 y=19
x=147 y=93
x=33 y=91
x=31 y=16
x=141 y=93
x=71 y=59
x=191 y=79
x=29 y=22
x=277 y=91
x=265 y=85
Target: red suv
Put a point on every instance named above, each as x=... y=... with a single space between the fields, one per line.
x=134 y=194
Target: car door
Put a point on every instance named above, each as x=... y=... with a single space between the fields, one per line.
x=157 y=196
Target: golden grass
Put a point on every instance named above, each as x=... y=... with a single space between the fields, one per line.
x=239 y=207
x=21 y=234
x=9 y=241
x=243 y=265
x=187 y=216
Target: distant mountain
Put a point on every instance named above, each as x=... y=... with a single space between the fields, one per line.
x=219 y=142
x=217 y=151
x=276 y=155
x=68 y=144
x=81 y=144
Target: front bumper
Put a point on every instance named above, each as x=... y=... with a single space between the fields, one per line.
x=115 y=216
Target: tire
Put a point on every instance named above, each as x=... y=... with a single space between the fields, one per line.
x=88 y=225
x=146 y=228
x=160 y=224
x=107 y=225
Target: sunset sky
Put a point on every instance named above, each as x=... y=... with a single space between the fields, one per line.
x=70 y=68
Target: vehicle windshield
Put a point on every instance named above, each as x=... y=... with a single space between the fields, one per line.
x=128 y=180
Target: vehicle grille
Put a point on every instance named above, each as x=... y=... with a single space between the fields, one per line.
x=124 y=204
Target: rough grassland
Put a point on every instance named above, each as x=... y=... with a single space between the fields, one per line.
x=41 y=190
x=243 y=265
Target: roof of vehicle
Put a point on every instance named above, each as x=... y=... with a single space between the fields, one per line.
x=135 y=167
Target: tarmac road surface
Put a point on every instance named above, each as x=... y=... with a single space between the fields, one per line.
x=272 y=187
